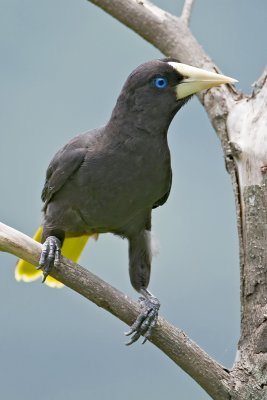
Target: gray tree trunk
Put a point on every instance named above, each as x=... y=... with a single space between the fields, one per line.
x=241 y=125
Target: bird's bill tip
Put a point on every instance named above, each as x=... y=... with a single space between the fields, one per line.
x=197 y=79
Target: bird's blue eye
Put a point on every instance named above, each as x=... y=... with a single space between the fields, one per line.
x=160 y=83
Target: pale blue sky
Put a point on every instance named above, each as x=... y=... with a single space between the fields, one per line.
x=62 y=66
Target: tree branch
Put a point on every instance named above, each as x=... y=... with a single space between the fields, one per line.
x=261 y=82
x=169 y=339
x=163 y=30
x=187 y=11
x=227 y=109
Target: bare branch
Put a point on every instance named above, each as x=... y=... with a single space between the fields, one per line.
x=257 y=86
x=187 y=11
x=160 y=28
x=171 y=340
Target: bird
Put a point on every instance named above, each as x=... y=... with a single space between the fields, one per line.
x=110 y=179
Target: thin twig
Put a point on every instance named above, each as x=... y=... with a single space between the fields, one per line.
x=187 y=11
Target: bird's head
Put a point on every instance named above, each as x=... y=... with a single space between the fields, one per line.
x=156 y=90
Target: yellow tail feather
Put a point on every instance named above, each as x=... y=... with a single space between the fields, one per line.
x=72 y=249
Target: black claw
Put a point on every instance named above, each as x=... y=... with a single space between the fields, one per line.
x=134 y=338
x=50 y=255
x=146 y=320
x=144 y=341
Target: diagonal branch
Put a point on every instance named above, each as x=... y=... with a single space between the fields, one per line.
x=169 y=339
x=187 y=11
x=163 y=30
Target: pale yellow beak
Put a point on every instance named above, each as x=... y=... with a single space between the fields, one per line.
x=196 y=79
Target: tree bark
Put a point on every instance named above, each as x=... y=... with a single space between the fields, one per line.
x=241 y=124
x=247 y=127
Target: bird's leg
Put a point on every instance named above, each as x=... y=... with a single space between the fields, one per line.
x=139 y=269
x=50 y=255
x=146 y=320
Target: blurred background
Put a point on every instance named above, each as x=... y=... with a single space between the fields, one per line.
x=62 y=66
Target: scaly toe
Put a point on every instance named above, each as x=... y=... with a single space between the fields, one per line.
x=145 y=321
x=50 y=255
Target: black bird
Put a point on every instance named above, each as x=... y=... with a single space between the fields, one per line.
x=110 y=179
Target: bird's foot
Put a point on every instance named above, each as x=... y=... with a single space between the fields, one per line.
x=146 y=320
x=50 y=255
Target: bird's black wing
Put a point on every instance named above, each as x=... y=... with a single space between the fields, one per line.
x=164 y=198
x=65 y=162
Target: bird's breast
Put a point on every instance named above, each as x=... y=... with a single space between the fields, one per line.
x=114 y=185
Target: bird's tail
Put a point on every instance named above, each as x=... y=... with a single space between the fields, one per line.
x=72 y=249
